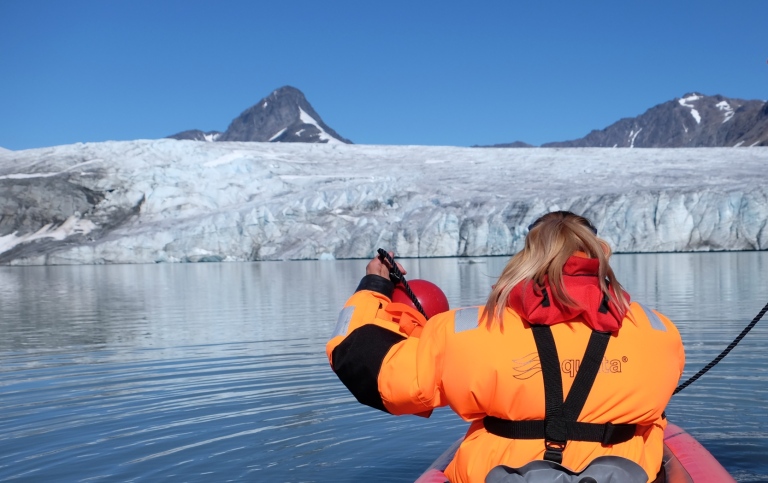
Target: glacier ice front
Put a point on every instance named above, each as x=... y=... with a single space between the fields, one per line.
x=184 y=201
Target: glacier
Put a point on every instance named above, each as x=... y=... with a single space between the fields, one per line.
x=149 y=201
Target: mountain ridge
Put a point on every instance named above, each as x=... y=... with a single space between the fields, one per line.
x=285 y=115
x=694 y=120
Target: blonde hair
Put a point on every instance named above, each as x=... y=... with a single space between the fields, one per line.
x=552 y=239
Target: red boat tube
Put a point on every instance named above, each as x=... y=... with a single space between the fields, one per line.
x=685 y=461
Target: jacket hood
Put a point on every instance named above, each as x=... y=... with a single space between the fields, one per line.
x=536 y=305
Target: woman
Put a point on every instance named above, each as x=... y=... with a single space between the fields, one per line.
x=557 y=366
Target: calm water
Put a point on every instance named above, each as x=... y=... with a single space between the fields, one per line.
x=217 y=372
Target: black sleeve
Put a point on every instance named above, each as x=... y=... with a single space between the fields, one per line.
x=376 y=283
x=357 y=361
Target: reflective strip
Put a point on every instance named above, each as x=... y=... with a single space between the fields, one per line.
x=656 y=322
x=465 y=319
x=342 y=324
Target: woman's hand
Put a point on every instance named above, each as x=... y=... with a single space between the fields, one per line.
x=380 y=267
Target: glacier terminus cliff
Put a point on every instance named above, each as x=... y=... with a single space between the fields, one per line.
x=165 y=200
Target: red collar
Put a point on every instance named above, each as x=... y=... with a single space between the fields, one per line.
x=537 y=305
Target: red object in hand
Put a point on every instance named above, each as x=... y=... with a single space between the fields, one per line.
x=429 y=295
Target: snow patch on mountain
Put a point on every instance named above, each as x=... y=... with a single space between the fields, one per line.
x=726 y=109
x=278 y=134
x=684 y=102
x=323 y=136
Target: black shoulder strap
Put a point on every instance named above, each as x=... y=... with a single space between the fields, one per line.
x=555 y=434
x=561 y=424
x=559 y=414
x=585 y=377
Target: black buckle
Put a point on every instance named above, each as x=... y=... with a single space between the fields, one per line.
x=555 y=437
x=554 y=450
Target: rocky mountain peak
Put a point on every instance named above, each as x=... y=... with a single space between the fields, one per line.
x=285 y=115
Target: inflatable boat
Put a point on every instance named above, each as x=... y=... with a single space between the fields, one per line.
x=685 y=461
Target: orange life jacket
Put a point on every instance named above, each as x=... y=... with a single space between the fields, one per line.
x=483 y=370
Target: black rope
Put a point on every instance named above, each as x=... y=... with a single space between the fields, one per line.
x=397 y=277
x=724 y=353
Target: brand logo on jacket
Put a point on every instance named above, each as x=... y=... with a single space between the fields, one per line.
x=529 y=365
x=612 y=366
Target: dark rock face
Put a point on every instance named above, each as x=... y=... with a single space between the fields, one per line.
x=196 y=135
x=694 y=120
x=29 y=204
x=754 y=125
x=44 y=204
x=283 y=116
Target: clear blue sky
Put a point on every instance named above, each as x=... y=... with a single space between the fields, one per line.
x=394 y=72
